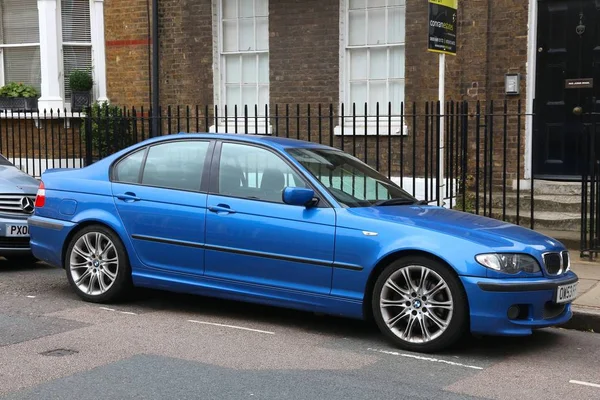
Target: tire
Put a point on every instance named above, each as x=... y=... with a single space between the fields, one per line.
x=98 y=278
x=440 y=320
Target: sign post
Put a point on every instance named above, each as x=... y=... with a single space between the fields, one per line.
x=442 y=40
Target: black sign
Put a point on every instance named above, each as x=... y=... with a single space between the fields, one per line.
x=442 y=26
x=581 y=83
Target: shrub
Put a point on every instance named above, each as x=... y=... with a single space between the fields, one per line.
x=110 y=129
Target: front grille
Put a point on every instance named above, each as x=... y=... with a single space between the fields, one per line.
x=566 y=261
x=14 y=243
x=13 y=204
x=553 y=263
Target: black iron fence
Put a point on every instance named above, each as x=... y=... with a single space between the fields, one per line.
x=590 y=185
x=482 y=150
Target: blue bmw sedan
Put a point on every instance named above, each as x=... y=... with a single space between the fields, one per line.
x=295 y=224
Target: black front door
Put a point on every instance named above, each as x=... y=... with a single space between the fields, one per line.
x=568 y=41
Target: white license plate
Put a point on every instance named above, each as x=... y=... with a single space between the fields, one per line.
x=566 y=293
x=17 y=230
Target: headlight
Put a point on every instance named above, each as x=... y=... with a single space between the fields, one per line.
x=509 y=263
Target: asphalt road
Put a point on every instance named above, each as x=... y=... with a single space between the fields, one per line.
x=169 y=346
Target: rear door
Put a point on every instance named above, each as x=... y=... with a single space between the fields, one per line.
x=161 y=199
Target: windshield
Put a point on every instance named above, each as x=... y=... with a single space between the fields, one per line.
x=352 y=182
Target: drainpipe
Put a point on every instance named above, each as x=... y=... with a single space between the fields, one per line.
x=155 y=72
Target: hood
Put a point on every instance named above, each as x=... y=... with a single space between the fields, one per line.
x=486 y=231
x=13 y=180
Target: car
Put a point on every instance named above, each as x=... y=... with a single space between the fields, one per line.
x=299 y=225
x=17 y=196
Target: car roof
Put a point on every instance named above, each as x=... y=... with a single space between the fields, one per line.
x=268 y=140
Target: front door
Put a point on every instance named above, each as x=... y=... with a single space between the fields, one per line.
x=252 y=237
x=568 y=56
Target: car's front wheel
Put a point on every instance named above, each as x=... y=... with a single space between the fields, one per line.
x=419 y=304
x=97 y=266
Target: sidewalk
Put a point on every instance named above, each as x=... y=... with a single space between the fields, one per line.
x=586 y=308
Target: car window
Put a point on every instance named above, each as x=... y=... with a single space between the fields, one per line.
x=176 y=165
x=255 y=173
x=128 y=169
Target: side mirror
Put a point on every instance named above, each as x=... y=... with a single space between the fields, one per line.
x=297 y=196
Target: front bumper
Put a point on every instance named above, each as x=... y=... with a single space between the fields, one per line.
x=14 y=236
x=490 y=300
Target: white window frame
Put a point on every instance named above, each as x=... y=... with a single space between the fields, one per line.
x=98 y=50
x=357 y=128
x=51 y=55
x=61 y=60
x=20 y=45
x=219 y=79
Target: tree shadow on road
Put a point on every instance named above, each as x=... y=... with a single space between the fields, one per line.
x=7 y=266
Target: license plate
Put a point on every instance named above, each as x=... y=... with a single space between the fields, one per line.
x=17 y=230
x=566 y=293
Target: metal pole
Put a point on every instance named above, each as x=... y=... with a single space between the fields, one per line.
x=440 y=183
x=155 y=71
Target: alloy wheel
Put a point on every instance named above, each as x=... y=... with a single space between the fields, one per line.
x=94 y=263
x=416 y=304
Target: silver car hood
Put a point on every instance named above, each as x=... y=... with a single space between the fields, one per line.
x=13 y=180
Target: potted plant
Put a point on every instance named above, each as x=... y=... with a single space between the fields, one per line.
x=18 y=96
x=81 y=83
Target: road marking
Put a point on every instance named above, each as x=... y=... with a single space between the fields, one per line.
x=394 y=353
x=231 y=326
x=122 y=312
x=31 y=297
x=584 y=383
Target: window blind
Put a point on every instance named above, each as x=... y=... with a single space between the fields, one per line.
x=76 y=37
x=19 y=22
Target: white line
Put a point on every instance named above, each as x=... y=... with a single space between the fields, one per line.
x=231 y=326
x=585 y=383
x=427 y=359
x=128 y=313
x=107 y=309
x=31 y=297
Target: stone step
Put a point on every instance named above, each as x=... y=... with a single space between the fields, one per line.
x=556 y=188
x=548 y=220
x=542 y=202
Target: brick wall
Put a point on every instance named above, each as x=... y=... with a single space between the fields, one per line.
x=304 y=51
x=304 y=63
x=185 y=52
x=127 y=42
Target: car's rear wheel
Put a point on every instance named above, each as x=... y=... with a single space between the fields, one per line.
x=97 y=265
x=419 y=304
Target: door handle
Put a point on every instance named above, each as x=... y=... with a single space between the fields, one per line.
x=129 y=197
x=221 y=208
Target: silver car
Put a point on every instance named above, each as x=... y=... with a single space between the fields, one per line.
x=17 y=200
